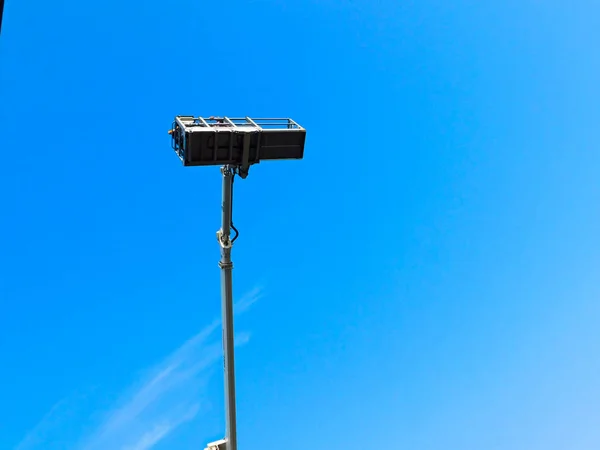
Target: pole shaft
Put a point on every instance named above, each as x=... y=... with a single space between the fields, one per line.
x=227 y=308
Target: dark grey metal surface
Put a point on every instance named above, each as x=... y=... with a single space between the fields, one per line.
x=224 y=238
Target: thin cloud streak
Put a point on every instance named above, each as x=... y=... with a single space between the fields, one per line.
x=35 y=438
x=158 y=403
x=152 y=437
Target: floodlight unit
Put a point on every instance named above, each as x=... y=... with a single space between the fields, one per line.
x=238 y=142
x=235 y=144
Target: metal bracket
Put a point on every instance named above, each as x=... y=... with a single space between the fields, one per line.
x=217 y=445
x=224 y=242
x=245 y=167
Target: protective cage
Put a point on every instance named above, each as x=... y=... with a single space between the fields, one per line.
x=238 y=141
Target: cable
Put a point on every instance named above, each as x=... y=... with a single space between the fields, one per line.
x=237 y=233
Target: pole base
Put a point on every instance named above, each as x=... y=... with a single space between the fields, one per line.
x=217 y=445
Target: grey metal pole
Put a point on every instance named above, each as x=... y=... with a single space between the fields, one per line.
x=224 y=238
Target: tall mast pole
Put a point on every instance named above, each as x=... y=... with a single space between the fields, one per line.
x=224 y=238
x=235 y=144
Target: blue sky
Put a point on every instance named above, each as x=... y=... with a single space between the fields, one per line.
x=426 y=278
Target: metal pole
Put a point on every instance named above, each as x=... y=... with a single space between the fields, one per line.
x=224 y=238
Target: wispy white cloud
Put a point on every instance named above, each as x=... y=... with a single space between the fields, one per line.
x=168 y=396
x=36 y=437
x=248 y=300
x=153 y=436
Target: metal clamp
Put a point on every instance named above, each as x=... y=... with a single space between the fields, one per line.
x=218 y=445
x=224 y=241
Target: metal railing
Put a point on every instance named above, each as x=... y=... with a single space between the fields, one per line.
x=282 y=123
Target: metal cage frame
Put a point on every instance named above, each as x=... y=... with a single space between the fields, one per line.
x=239 y=141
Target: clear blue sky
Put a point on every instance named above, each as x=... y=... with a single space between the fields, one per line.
x=426 y=278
